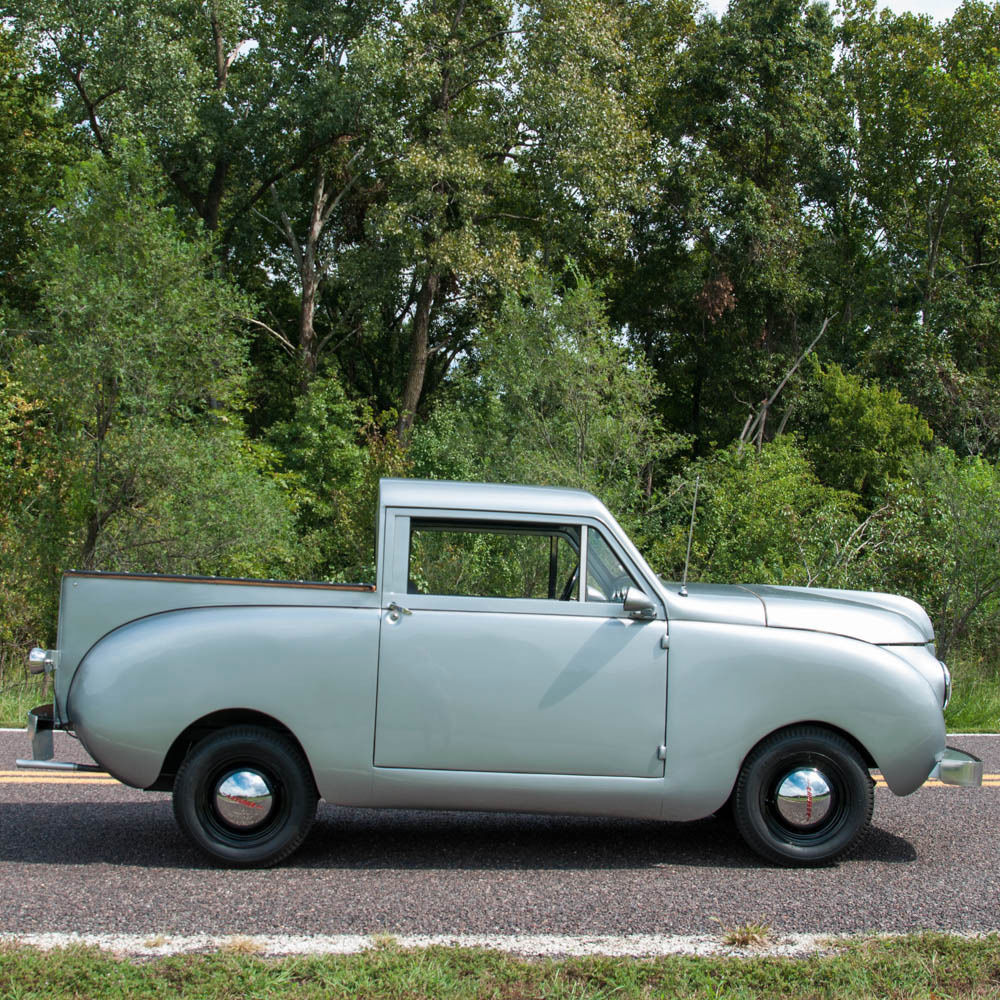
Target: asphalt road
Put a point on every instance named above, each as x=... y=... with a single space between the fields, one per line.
x=91 y=856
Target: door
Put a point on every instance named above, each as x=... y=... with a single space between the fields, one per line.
x=490 y=660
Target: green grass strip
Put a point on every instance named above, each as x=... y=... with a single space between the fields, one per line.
x=923 y=967
x=17 y=699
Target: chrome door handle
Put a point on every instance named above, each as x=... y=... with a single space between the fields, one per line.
x=395 y=610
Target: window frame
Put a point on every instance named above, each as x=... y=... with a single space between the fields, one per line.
x=473 y=526
x=397 y=553
x=596 y=562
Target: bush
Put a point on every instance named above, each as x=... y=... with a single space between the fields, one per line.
x=940 y=539
x=763 y=517
x=859 y=437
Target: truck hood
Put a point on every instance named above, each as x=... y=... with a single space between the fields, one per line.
x=884 y=619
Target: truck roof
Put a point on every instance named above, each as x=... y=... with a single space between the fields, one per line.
x=500 y=497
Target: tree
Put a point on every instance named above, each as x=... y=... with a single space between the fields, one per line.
x=762 y=517
x=945 y=551
x=135 y=367
x=550 y=396
x=243 y=105
x=511 y=130
x=34 y=148
x=925 y=97
x=716 y=290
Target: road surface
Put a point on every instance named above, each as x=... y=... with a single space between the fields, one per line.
x=82 y=853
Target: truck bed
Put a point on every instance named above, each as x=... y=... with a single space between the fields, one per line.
x=92 y=604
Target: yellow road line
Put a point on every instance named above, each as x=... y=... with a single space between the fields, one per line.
x=57 y=781
x=24 y=772
x=878 y=777
x=881 y=783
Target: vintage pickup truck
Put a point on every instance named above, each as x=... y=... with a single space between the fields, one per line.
x=515 y=652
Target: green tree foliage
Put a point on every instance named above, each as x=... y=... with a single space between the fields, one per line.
x=551 y=396
x=943 y=530
x=508 y=137
x=344 y=254
x=859 y=437
x=35 y=146
x=130 y=376
x=718 y=287
x=926 y=100
x=382 y=170
x=323 y=461
x=27 y=597
x=762 y=517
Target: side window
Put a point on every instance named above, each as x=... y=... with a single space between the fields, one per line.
x=607 y=578
x=490 y=559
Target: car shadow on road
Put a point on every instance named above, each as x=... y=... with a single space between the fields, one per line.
x=144 y=834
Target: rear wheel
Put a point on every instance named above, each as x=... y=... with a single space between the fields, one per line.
x=245 y=796
x=803 y=797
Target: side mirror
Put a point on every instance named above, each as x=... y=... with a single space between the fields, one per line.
x=638 y=605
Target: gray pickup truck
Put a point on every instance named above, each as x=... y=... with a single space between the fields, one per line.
x=515 y=652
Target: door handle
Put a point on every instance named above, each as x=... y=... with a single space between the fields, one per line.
x=395 y=610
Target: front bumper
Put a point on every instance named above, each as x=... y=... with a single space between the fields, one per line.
x=957 y=768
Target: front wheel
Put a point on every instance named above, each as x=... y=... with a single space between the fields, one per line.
x=245 y=796
x=803 y=797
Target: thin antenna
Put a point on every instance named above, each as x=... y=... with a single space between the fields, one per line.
x=687 y=558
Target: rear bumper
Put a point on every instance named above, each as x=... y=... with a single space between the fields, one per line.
x=958 y=768
x=41 y=724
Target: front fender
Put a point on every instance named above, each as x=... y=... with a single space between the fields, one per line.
x=731 y=685
x=311 y=668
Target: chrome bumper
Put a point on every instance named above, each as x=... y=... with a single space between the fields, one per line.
x=957 y=768
x=41 y=724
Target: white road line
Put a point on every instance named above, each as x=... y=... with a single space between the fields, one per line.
x=525 y=945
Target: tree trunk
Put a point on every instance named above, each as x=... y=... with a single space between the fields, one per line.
x=310 y=274
x=419 y=339
x=212 y=202
x=307 y=312
x=696 y=390
x=90 y=541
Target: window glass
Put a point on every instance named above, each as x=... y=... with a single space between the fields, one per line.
x=607 y=578
x=468 y=559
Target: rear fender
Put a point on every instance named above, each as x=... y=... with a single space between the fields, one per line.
x=313 y=669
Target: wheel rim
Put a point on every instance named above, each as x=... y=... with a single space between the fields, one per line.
x=803 y=798
x=243 y=803
x=806 y=799
x=244 y=799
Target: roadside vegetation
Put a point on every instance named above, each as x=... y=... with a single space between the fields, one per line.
x=919 y=968
x=255 y=255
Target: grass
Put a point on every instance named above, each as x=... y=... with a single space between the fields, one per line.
x=750 y=935
x=975 y=702
x=920 y=967
x=241 y=946
x=18 y=697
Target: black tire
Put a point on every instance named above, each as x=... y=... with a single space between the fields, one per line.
x=843 y=817
x=290 y=806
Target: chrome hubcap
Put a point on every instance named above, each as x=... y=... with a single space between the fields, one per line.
x=804 y=797
x=243 y=798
